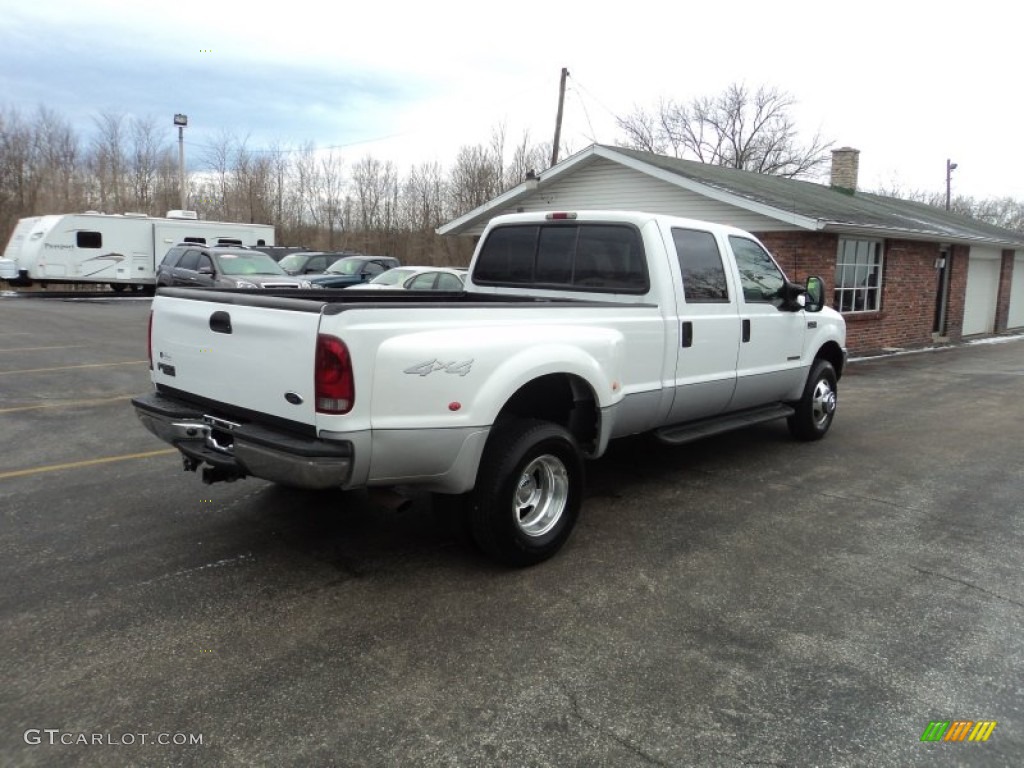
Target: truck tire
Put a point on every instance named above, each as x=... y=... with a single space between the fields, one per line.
x=528 y=492
x=817 y=407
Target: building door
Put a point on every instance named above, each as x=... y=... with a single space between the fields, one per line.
x=982 y=290
x=1015 y=319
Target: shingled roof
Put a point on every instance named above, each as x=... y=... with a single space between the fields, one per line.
x=807 y=205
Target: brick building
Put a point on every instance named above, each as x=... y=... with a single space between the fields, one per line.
x=903 y=274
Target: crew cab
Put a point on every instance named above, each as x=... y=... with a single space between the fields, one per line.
x=573 y=329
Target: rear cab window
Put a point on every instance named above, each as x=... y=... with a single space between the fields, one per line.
x=592 y=257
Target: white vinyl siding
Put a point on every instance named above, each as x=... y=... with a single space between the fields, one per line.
x=604 y=185
x=1015 y=319
x=982 y=289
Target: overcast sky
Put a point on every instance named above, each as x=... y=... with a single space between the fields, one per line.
x=909 y=84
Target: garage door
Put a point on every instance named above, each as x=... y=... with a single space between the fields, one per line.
x=1016 y=316
x=982 y=290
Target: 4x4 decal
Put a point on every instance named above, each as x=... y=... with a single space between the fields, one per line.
x=460 y=368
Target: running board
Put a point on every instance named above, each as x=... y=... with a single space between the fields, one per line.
x=677 y=434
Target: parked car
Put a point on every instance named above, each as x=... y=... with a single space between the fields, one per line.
x=416 y=279
x=310 y=262
x=200 y=266
x=352 y=270
x=278 y=252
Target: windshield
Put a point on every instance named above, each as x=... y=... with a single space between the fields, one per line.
x=345 y=267
x=254 y=263
x=392 y=277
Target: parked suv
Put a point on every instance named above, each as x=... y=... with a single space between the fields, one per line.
x=199 y=266
x=352 y=270
x=310 y=262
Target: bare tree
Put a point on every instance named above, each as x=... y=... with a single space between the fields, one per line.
x=108 y=160
x=738 y=128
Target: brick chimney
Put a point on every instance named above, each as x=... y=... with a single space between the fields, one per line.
x=844 y=168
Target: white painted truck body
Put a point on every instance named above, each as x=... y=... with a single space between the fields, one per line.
x=431 y=376
x=118 y=249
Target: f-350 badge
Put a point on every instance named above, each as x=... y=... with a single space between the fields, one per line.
x=460 y=368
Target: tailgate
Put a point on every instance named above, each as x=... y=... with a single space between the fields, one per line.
x=255 y=353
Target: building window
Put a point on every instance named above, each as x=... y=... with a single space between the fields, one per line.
x=858 y=275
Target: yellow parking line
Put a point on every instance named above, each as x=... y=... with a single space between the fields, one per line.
x=86 y=463
x=70 y=367
x=33 y=349
x=67 y=404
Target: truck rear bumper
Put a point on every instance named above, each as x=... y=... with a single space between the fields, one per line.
x=233 y=450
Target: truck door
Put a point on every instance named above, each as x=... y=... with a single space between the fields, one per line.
x=771 y=338
x=707 y=325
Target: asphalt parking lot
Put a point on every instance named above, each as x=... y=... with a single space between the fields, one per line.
x=747 y=600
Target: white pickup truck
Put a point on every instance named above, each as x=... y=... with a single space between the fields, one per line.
x=574 y=328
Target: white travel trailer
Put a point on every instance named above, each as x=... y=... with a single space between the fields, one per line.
x=122 y=250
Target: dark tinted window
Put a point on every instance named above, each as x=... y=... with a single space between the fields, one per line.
x=373 y=268
x=204 y=261
x=762 y=280
x=508 y=256
x=701 y=265
x=315 y=264
x=190 y=260
x=171 y=257
x=555 y=255
x=585 y=257
x=89 y=239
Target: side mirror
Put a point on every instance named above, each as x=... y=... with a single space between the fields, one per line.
x=815 y=292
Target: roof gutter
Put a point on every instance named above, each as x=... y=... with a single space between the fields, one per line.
x=928 y=236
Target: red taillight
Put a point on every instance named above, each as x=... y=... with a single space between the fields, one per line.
x=335 y=385
x=560 y=216
x=149 y=340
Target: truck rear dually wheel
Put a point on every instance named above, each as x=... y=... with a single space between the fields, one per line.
x=528 y=491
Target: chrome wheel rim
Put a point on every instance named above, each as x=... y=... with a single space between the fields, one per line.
x=541 y=495
x=823 y=403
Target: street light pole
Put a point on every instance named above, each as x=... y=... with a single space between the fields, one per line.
x=950 y=167
x=181 y=121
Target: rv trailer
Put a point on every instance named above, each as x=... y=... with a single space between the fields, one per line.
x=122 y=250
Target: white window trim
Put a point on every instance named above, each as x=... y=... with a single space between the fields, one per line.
x=836 y=289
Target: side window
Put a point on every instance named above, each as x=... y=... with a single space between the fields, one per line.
x=700 y=263
x=189 y=260
x=171 y=258
x=372 y=268
x=422 y=282
x=89 y=239
x=316 y=264
x=761 y=279
x=204 y=261
x=446 y=282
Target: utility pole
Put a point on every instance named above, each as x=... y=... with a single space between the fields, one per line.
x=558 y=118
x=950 y=167
x=181 y=121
